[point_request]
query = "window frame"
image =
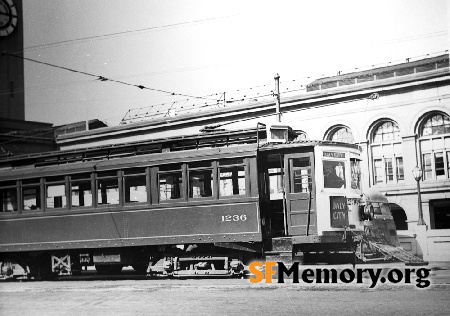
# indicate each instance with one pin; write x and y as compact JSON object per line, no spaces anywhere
{"x":146,"y":174}
{"x":433,"y":144}
{"x":384,"y":150}
{"x":182,"y":188}
{"x":429,"y":118}
{"x":15,"y":188}
{"x":92,"y":181}
{"x":246,"y":186}
{"x":65,"y":183}
{"x":341,"y":129}
{"x":40,"y":195}
{"x":119,"y":189}
{"x":355,"y":173}
{"x":326,"y":162}
{"x":213,"y":168}
{"x":430,"y":170}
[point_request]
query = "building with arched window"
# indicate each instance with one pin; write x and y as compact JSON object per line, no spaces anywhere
{"x":386,"y":153}
{"x":434,"y":134}
{"x":341,"y":133}
{"x":399,"y":115}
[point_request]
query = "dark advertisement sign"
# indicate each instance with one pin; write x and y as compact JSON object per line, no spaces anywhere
{"x":338,"y":211}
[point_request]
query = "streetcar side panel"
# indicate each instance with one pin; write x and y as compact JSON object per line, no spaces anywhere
{"x":192,"y":224}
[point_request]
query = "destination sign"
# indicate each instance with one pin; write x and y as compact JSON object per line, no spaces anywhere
{"x":333,"y":154}
{"x":338,"y":211}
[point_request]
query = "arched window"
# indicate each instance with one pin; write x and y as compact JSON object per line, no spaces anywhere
{"x":386,"y":132}
{"x":436,"y":125}
{"x":434,"y":145}
{"x":387,"y":153}
{"x":342,"y":134}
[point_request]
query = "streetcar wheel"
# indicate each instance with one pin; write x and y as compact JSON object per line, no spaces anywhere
{"x":41,"y":268}
{"x":140,"y":268}
{"x":106,"y":269}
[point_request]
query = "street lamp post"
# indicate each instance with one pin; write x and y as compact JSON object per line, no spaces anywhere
{"x":417,"y":173}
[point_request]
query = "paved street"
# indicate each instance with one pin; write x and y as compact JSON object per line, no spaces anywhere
{"x":136,"y":295}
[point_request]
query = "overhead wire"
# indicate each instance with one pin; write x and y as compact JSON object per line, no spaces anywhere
{"x":420,"y":36}
{"x":301,"y":88}
{"x":102,"y":78}
{"x":127,"y":32}
{"x":99,"y":77}
{"x":181,"y":24}
{"x":17,"y":138}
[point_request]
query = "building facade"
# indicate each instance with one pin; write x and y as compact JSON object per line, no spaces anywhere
{"x":399,"y":115}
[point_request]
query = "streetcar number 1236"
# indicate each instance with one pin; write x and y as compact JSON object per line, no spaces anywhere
{"x":234,"y":218}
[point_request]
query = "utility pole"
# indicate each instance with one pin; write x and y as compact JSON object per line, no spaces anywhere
{"x":277,"y":96}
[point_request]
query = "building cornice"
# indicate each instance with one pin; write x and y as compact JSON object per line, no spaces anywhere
{"x":262,"y":108}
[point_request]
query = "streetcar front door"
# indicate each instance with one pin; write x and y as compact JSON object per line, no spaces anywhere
{"x":300,"y":189}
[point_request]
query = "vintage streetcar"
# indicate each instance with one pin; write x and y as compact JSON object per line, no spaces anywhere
{"x":205,"y":204}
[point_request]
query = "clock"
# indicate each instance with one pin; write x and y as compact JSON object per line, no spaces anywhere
{"x":8,"y":17}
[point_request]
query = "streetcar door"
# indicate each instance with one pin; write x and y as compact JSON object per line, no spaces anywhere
{"x":300,"y":189}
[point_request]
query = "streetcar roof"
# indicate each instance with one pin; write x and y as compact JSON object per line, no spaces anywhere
{"x":211,"y":145}
{"x":306,"y":143}
{"x":155,"y":159}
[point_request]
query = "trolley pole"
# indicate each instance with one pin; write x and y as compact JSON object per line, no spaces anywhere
{"x":277,"y":96}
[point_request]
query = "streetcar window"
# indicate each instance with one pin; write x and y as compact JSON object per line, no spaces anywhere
{"x":333,"y":174}
{"x":275,"y":181}
{"x":200,"y":183}
{"x":81,"y":191}
{"x":31,"y":197}
{"x":170,"y":179}
{"x":276,"y":176}
{"x":200,"y":179}
{"x":301,"y":179}
{"x":232,"y":180}
{"x":56,"y":196}
{"x":302,"y":162}
{"x":135,"y":185}
{"x":8,"y":200}
{"x":170,"y":186}
{"x":55,"y":192}
{"x":356,"y":173}
{"x":107,"y":188}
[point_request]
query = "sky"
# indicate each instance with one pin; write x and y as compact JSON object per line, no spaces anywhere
{"x":184,"y":49}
